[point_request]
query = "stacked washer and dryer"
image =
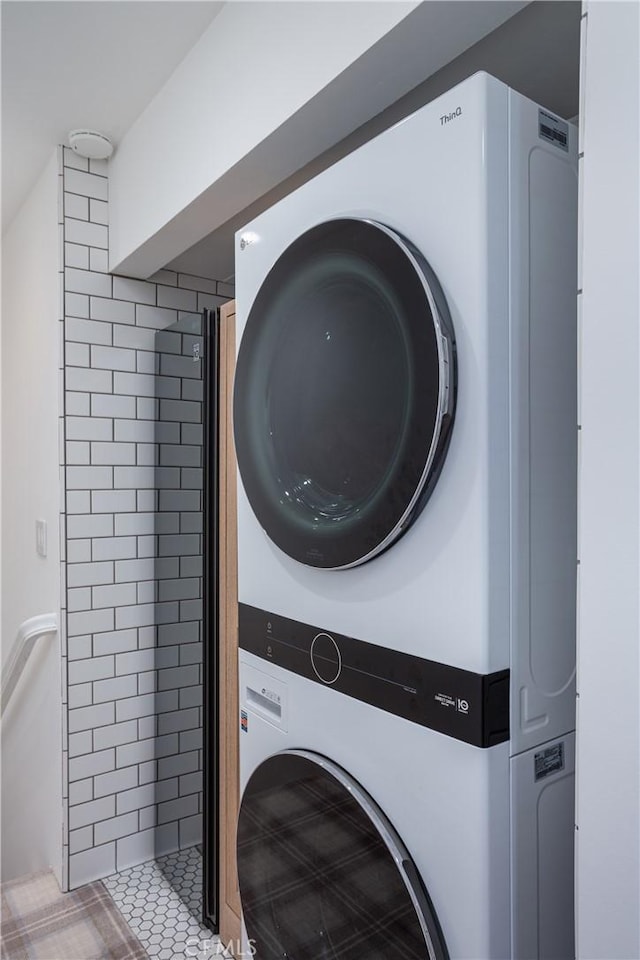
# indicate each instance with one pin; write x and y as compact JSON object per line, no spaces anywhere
{"x":405,"y":425}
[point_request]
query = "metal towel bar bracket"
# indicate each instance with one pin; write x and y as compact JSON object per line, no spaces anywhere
{"x":28,"y":634}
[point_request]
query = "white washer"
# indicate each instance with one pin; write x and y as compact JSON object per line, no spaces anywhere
{"x":405,"y":422}
{"x":483,"y":868}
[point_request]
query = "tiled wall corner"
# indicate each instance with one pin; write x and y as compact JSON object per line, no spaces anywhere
{"x":131,"y":451}
{"x":62,"y":624}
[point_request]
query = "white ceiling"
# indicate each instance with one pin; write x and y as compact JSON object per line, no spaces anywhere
{"x":79,"y":63}
{"x":537,"y":52}
{"x":98,"y":63}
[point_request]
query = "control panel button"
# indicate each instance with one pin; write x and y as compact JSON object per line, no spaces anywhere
{"x":325,"y":658}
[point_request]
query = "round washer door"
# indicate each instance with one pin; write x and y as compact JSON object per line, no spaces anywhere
{"x":322,"y":873}
{"x":344,"y":393}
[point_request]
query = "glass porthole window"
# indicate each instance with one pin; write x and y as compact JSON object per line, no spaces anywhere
{"x":323,"y":874}
{"x":344,"y":393}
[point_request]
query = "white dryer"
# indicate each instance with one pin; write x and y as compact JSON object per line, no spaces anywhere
{"x":405,"y":424}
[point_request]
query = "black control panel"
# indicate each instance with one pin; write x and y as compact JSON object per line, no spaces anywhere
{"x":472,"y":707}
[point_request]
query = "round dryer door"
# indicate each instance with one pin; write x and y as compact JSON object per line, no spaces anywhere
{"x":344,"y":393}
{"x":323,"y":875}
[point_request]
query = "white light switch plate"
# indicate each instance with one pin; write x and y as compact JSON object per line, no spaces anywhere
{"x":41,"y":538}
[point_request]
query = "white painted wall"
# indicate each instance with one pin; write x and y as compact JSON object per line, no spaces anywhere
{"x":31,"y":728}
{"x":608,"y":756}
{"x":254,"y":67}
{"x":269,"y":87}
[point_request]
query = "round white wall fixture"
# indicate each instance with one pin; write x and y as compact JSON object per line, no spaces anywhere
{"x":91,"y":144}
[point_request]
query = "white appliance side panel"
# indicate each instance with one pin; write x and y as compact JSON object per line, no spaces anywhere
{"x":543,"y":831}
{"x":442,"y":591}
{"x":448,"y":801}
{"x":544,"y":194}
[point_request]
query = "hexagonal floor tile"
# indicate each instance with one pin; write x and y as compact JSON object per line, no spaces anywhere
{"x":161,"y":901}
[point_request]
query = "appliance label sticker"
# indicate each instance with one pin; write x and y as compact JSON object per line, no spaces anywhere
{"x":549,"y":761}
{"x":244,"y":721}
{"x":553,"y":130}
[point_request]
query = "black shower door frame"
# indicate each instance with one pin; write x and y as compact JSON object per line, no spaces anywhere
{"x":211,"y":621}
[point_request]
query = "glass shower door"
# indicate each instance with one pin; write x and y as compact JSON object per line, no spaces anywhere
{"x":180,"y":547}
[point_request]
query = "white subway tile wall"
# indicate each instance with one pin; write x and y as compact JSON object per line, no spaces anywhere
{"x":132,"y":523}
